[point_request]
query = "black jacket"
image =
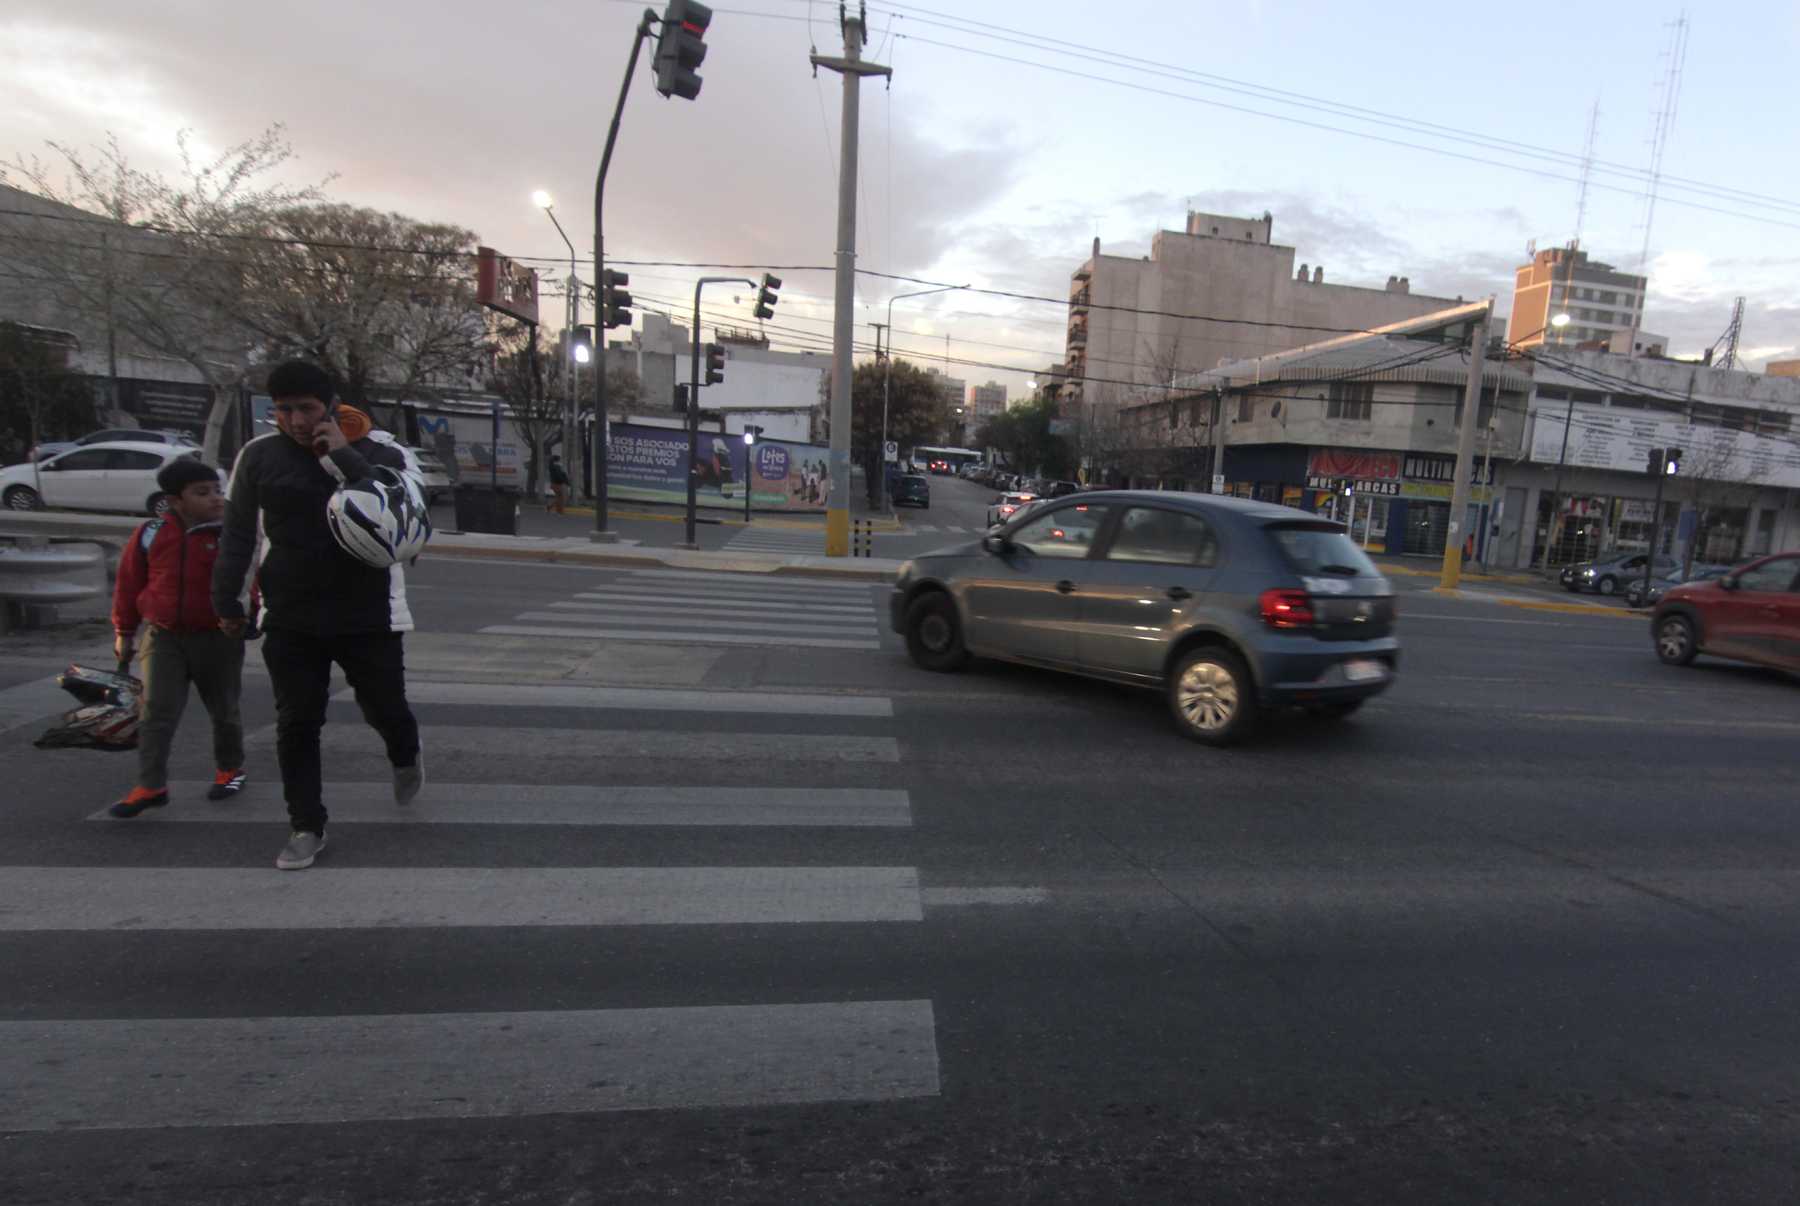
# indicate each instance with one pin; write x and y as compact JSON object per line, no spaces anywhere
{"x":308,"y":583}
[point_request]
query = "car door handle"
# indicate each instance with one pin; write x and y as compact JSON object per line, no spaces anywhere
{"x":1178,"y":593}
{"x":1065,"y":587}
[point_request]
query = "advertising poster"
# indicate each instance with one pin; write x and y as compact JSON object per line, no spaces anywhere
{"x":465,"y":445}
{"x":649,"y":464}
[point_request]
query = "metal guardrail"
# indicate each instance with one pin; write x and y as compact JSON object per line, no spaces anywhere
{"x":46,"y":576}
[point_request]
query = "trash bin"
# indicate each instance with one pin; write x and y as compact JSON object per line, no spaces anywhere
{"x":495,"y":512}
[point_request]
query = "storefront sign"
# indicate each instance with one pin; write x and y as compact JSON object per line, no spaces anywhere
{"x":1377,"y":489}
{"x":649,"y":463}
{"x":1353,"y":462}
{"x":1605,"y":437}
{"x":1441,"y":492}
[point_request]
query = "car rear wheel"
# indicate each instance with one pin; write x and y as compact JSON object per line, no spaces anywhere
{"x":933,"y":634}
{"x":1675,"y":643}
{"x":1212,"y":697}
{"x":23,"y":498}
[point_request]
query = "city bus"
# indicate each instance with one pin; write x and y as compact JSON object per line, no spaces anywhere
{"x":943,"y":460}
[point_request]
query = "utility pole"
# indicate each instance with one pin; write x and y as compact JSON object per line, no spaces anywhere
{"x":1465,"y":452}
{"x":852,"y":68}
{"x":886,"y":374}
{"x":1218,"y":459}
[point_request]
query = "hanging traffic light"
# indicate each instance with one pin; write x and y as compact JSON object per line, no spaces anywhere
{"x":715,"y":364}
{"x":615,"y":303}
{"x":681,"y":48}
{"x":765,"y":296}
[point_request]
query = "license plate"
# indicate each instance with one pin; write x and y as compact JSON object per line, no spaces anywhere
{"x":1363,"y":670}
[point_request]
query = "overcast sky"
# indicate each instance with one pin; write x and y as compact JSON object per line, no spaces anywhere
{"x":975,"y":169}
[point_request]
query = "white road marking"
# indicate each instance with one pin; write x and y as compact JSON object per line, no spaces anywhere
{"x":667,"y":637}
{"x":651,"y":699}
{"x":553,"y":804}
{"x":707,"y":624}
{"x":726,"y":578}
{"x":640,"y":608}
{"x":267,"y":1071}
{"x":953,"y":897}
{"x":486,"y":746}
{"x":39,"y":899}
{"x":799,"y":604}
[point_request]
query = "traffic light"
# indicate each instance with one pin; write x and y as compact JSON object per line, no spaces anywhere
{"x":715,"y":364}
{"x":1347,"y":487}
{"x":681,"y":48}
{"x":615,"y":303}
{"x":681,"y":399}
{"x":581,"y":345}
{"x":765,"y":297}
{"x":1655,"y":463}
{"x":1672,"y":464}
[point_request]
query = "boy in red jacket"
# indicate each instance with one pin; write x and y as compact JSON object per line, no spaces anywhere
{"x":165,"y":583}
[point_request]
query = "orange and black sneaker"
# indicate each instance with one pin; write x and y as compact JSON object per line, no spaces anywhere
{"x":138,"y":799}
{"x":226,"y":784}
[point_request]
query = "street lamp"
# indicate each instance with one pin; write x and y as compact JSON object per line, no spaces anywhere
{"x":887,"y":373}
{"x":571,"y":320}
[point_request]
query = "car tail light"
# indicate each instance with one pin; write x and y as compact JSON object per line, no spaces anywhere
{"x":1286,"y":609}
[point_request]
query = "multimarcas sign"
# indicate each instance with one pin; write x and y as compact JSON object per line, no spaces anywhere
{"x":648,"y":463}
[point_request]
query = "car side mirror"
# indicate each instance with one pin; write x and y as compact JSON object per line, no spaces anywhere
{"x":1728,"y":582}
{"x":996,"y":543}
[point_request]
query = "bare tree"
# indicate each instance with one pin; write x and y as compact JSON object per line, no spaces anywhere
{"x":1716,"y":478}
{"x":536,"y":412}
{"x":159,"y":262}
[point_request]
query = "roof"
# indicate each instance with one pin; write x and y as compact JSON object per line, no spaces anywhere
{"x":1398,"y":351}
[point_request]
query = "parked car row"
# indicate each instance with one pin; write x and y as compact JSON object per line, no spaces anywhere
{"x":1609,"y":573}
{"x":117,"y":475}
{"x":110,"y":435}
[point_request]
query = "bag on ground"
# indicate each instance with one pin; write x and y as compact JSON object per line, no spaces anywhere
{"x":108,"y":716}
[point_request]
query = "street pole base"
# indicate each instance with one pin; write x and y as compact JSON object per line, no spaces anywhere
{"x":605,"y":537}
{"x":692,"y":546}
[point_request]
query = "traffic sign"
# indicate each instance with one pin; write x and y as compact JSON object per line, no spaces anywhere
{"x":890,"y":452}
{"x":1218,"y":483}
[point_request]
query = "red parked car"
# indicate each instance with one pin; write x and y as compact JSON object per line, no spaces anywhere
{"x":1751,"y":614}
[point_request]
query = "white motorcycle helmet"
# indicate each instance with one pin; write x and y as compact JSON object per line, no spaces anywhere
{"x":382,"y":520}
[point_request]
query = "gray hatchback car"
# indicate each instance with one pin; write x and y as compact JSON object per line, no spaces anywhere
{"x":1229,"y":606}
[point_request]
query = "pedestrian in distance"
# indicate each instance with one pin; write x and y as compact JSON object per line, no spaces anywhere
{"x":320,"y":604}
{"x":559,"y":486}
{"x":164,"y":588}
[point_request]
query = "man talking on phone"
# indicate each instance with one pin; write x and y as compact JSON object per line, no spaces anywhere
{"x":319,"y":604}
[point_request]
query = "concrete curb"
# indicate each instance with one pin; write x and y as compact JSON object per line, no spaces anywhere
{"x":1571,"y":609}
{"x":1408,"y":571}
{"x":572,"y":551}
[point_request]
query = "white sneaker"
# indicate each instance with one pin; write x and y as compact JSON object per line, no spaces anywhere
{"x":301,"y":849}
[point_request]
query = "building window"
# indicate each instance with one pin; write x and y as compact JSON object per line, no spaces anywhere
{"x":1775,"y":422}
{"x":1607,"y":298}
{"x":1246,"y":408}
{"x":1353,"y":400}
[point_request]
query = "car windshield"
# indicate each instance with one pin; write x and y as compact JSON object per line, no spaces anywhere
{"x":1315,"y":549}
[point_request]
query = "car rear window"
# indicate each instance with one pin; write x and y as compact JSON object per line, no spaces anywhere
{"x":1317,"y":549}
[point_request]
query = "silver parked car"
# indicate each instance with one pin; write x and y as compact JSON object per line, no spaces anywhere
{"x":1609,"y":574}
{"x":1229,"y":606}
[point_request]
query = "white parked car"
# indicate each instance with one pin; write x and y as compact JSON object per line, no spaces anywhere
{"x":112,"y":435}
{"x":118,"y":476}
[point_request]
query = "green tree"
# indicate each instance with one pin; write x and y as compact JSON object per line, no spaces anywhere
{"x":40,"y":399}
{"x":915,"y":411}
{"x":1022,"y":434}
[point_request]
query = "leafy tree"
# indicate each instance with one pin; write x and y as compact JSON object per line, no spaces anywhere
{"x":915,"y":410}
{"x":1022,"y":434}
{"x":40,"y":399}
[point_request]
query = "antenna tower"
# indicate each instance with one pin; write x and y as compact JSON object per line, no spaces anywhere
{"x":1587,"y":169}
{"x":1663,"y":124}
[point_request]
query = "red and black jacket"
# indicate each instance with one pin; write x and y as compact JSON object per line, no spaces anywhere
{"x":165,"y":577}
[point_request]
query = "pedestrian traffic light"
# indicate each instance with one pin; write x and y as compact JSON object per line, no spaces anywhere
{"x":681,"y":399}
{"x":1655,"y":463}
{"x":681,"y":48}
{"x":615,"y":303}
{"x":765,"y":297}
{"x":581,"y":345}
{"x":1672,"y":462}
{"x":715,"y":364}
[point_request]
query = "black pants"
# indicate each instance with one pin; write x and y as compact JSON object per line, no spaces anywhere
{"x":300,"y":668}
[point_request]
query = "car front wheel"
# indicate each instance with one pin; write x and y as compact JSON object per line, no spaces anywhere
{"x":1675,"y":643}
{"x":1212,"y":697}
{"x":933,"y":633}
{"x":1607,"y":585}
{"x":23,"y":498}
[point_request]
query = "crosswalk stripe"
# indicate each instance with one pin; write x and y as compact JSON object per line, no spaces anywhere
{"x":157,"y":1072}
{"x":558,"y":804}
{"x":30,"y":702}
{"x":650,"y":699}
{"x":672,"y":637}
{"x":813,"y":585}
{"x":707,"y":624}
{"x":39,"y":899}
{"x":797,"y":603}
{"x":640,"y":611}
{"x":479,"y":746}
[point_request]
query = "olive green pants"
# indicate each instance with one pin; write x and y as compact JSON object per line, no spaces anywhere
{"x":214,"y":664}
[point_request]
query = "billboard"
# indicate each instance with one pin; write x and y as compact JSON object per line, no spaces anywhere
{"x":502,"y":285}
{"x":649,"y":464}
{"x":1606,"y":437}
{"x":465,"y":444}
{"x":754,"y":385}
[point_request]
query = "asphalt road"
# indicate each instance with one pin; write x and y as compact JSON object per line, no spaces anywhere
{"x":715,"y":898}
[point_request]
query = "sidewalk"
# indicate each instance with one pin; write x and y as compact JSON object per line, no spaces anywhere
{"x":574,"y":550}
